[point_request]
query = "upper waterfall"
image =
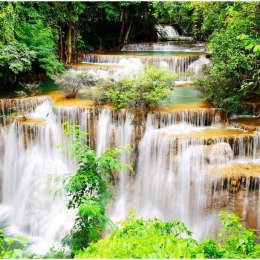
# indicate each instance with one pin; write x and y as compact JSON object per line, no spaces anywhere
{"x":166,"y":31}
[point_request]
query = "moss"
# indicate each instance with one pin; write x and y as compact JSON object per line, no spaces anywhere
{"x":25,"y":120}
{"x":237,"y":171}
{"x":250,"y":124}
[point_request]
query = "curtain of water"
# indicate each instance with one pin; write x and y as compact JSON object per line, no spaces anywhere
{"x":173,"y":178}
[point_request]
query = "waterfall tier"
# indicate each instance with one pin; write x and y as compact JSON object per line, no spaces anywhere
{"x":182,"y":155}
{"x":166,"y":31}
{"x":30,"y":160}
{"x":165,"y":46}
{"x":177,"y":64}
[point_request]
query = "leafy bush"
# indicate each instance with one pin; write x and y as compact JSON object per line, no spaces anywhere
{"x":72,"y":81}
{"x":138,"y":238}
{"x":144,"y":91}
{"x":95,"y":94}
{"x":235,"y":48}
{"x":13,"y":247}
{"x":39,"y":38}
{"x":14,"y":59}
{"x":233,"y":241}
{"x":32,"y":88}
{"x":89,"y":190}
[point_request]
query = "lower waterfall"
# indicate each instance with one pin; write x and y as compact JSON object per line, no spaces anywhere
{"x":179,"y":161}
{"x":31,"y":159}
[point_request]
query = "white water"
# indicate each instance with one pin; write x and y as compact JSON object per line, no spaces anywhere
{"x":31,"y":158}
{"x":164,"y":47}
{"x":174,"y":176}
{"x":196,"y":67}
{"x":134,"y":63}
{"x":166,"y":31}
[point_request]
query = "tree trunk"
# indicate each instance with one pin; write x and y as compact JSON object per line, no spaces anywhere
{"x":122,"y":19}
{"x":69,"y":49}
{"x":128,"y":32}
{"x":61,"y":45}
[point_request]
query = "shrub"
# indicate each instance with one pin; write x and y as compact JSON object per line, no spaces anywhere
{"x":144,"y":91}
{"x":89,"y":190}
{"x":235,"y":47}
{"x":72,"y":81}
{"x":13,"y":247}
{"x":32,"y":88}
{"x":95,"y":94}
{"x":138,"y":238}
{"x":15,"y":58}
{"x":154,"y":238}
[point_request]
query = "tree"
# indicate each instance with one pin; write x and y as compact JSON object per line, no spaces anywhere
{"x":144,"y":91}
{"x":28,"y":41}
{"x":235,"y":48}
{"x":89,"y":190}
{"x":15,"y":58}
{"x":71,"y":82}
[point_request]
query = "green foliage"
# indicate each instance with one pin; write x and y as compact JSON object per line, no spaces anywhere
{"x":234,"y":238}
{"x":234,"y":241}
{"x":71,"y":82}
{"x":15,"y":58}
{"x":54,"y":253}
{"x":33,"y":88}
{"x":89,"y":190}
{"x":235,"y":73}
{"x":138,"y":238}
{"x":13,"y":247}
{"x":144,"y":91}
{"x":39,"y":38}
{"x":27,"y":43}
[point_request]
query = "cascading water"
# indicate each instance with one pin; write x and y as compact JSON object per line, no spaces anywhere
{"x":164,"y":47}
{"x":178,"y":64}
{"x":174,"y":176}
{"x":31,"y":158}
{"x":183,"y":155}
{"x":196,"y":67}
{"x":166,"y":31}
{"x":175,"y":168}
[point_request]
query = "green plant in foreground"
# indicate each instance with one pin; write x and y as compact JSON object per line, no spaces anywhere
{"x":13,"y":247}
{"x":154,"y":238}
{"x":90,"y":189}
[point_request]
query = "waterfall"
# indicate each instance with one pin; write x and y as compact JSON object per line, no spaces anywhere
{"x":9,"y":108}
{"x":174,"y":174}
{"x":164,"y":46}
{"x":166,"y":31}
{"x":31,"y":158}
{"x":182,"y":164}
{"x":196,"y":67}
{"x":178,"y":64}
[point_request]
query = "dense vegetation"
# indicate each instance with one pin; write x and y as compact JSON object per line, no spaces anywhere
{"x":144,"y":91}
{"x":137,"y":238}
{"x":37,"y":38}
{"x":235,"y":46}
{"x":89,"y":190}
